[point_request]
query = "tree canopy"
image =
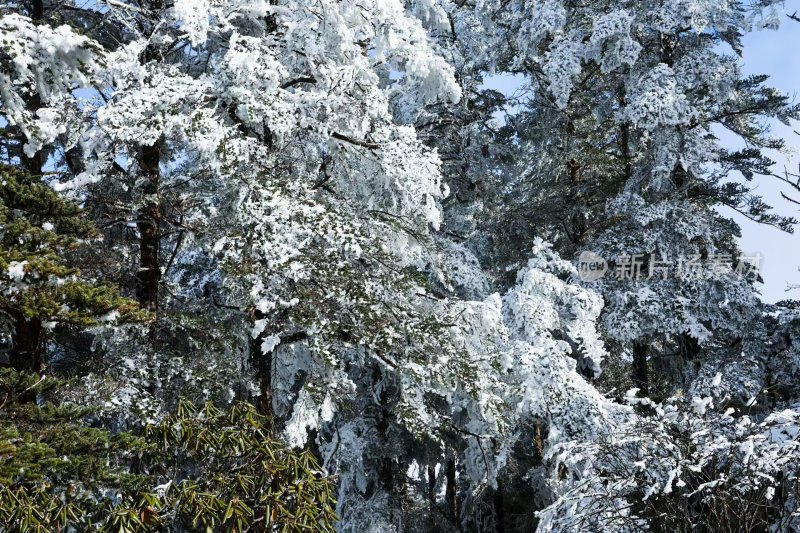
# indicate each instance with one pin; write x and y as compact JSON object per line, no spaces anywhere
{"x":284,"y":265}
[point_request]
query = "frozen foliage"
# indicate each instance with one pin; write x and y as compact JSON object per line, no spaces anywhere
{"x":322,"y":210}
{"x":679,"y":456}
{"x":45,"y":64}
{"x":656,"y":102}
{"x":677,"y":290}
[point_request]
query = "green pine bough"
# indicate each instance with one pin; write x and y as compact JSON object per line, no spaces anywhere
{"x":41,"y":284}
{"x":198,"y":469}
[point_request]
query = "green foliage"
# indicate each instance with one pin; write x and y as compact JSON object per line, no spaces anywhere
{"x":248,"y":477}
{"x":197,"y":469}
{"x":39,"y":231}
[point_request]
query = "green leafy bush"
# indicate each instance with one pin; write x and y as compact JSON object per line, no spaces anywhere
{"x":198,"y":469}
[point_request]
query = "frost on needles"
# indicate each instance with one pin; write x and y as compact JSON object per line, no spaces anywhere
{"x":293,"y":265}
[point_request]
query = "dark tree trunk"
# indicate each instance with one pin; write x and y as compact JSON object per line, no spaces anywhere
{"x":689,"y":347}
{"x":149,"y":224}
{"x":576,"y":200}
{"x":499,"y":511}
{"x":386,"y":466}
{"x":264,"y":375}
{"x":667,"y":49}
{"x":451,"y":492}
{"x":625,"y":139}
{"x":36,"y":10}
{"x":624,"y":144}
{"x":432,"y":486}
{"x":433,"y":514}
{"x":27,"y":350}
{"x":262,"y":363}
{"x":639,"y":372}
{"x":33,"y":164}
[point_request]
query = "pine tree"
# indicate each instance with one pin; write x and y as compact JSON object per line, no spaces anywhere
{"x":43,"y":287}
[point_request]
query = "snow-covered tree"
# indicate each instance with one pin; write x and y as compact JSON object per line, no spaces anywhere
{"x":327,"y":214}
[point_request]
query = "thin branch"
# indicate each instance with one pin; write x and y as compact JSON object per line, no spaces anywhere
{"x":356,"y":142}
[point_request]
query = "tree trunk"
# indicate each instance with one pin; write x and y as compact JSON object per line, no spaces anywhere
{"x":262,"y":363}
{"x":27,"y":351}
{"x":432,"y":486}
{"x":499,"y":509}
{"x":639,"y":372}
{"x":689,"y":347}
{"x":36,"y":10}
{"x":386,"y":466}
{"x":28,"y":341}
{"x":149,"y":225}
{"x":34,"y":163}
{"x":451,"y":493}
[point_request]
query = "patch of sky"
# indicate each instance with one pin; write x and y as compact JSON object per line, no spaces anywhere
{"x":516,"y":90}
{"x":775,"y":53}
{"x":772,"y":52}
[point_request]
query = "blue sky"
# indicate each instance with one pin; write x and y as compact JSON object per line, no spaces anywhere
{"x":776,"y":53}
